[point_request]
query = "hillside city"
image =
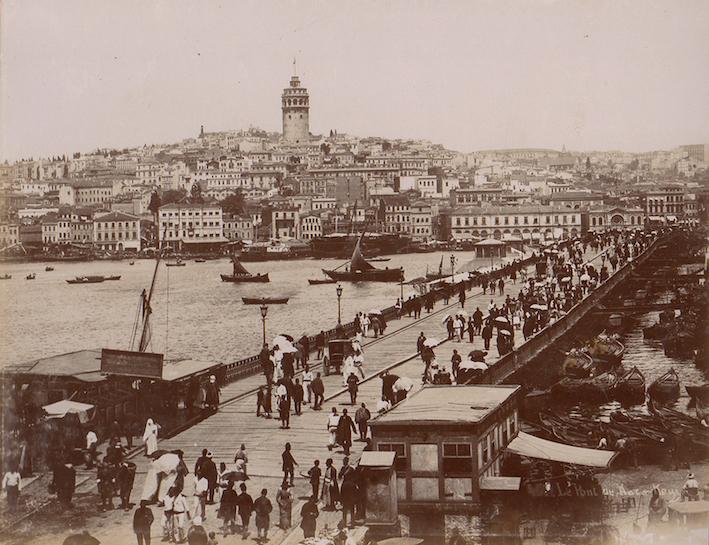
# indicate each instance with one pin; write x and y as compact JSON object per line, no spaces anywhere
{"x":280,"y":191}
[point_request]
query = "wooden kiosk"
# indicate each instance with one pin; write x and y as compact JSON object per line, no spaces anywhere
{"x":382,"y":512}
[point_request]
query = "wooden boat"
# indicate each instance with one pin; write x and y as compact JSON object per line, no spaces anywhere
{"x":316,"y":281}
{"x":177,"y":263}
{"x":131,"y":262}
{"x":86,"y":280}
{"x":699,"y":393}
{"x":31,"y":276}
{"x":48,"y":268}
{"x":577,"y":364}
{"x":631,"y":386}
{"x":265,"y":300}
{"x":436,"y":275}
{"x":200,"y":260}
{"x":601,"y":386}
{"x":655,"y":332}
{"x":680,"y":345}
{"x":361,"y":271}
{"x":5,"y":276}
{"x":666,"y":386}
{"x":240,"y":274}
{"x":113,"y":277}
{"x":379,"y":259}
{"x":606,"y":349}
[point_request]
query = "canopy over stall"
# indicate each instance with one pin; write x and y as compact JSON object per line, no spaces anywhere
{"x":535,"y":447}
{"x":61,"y":408}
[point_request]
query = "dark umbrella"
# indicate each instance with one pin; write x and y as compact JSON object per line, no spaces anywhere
{"x":291,"y":339}
{"x":477,"y":355}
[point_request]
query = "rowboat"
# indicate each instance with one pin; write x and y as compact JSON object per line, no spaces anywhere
{"x":200,"y":260}
{"x":606,"y":349}
{"x":240,"y":274}
{"x":48,"y":268}
{"x":317,"y":281}
{"x":655,"y":332}
{"x":113,"y":277}
{"x":666,"y":386}
{"x":577,"y":364}
{"x":699,"y":393}
{"x":631,"y":386}
{"x":680,"y":345}
{"x":5,"y":276}
{"x":86,"y":280}
{"x":178,"y":263}
{"x":31,"y":276}
{"x":265,"y":300}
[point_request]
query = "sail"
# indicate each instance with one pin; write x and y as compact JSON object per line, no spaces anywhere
{"x":357,"y":263}
{"x":440,"y":266}
{"x":238,"y":267}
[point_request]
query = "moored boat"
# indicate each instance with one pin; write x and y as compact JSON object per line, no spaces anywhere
{"x":699,"y":393}
{"x":606,"y":349}
{"x":5,"y":276}
{"x":240,"y":274}
{"x":436,"y":275}
{"x":655,"y":332}
{"x":577,"y":364}
{"x":316,"y":281}
{"x":131,"y":262}
{"x":265,"y":300}
{"x":177,"y":263}
{"x":86,"y":280}
{"x":200,"y":260}
{"x":113,"y":277}
{"x":361,"y":271}
{"x":31,"y":276}
{"x":631,"y":386}
{"x":680,"y":345}
{"x":666,"y":386}
{"x":48,"y":268}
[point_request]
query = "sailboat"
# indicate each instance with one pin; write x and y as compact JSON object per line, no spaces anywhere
{"x":240,"y":274}
{"x":436,"y":275}
{"x":361,"y":271}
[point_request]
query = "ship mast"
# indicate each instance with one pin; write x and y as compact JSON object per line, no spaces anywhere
{"x":145,"y":304}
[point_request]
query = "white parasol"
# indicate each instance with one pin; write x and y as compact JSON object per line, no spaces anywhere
{"x":403,"y":384}
{"x":502,"y":320}
{"x":446,"y":318}
{"x":473,"y":365}
{"x":504,"y":332}
{"x":375,"y":311}
{"x":431,"y":342}
{"x":566,"y":279}
{"x":537,"y":306}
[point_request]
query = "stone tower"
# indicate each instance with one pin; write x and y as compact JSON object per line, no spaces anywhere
{"x":296,"y":113}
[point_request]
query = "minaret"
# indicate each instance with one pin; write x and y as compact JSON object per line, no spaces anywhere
{"x":296,"y":112}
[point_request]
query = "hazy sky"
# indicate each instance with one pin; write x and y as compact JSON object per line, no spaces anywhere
{"x":468,"y":74}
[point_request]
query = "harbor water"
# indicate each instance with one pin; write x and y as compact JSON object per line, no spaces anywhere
{"x":195,"y":314}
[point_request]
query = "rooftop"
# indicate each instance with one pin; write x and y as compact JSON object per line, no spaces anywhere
{"x":447,"y":404}
{"x":116,"y":216}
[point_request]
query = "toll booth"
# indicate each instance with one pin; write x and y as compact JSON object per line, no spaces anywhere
{"x":382,"y":509}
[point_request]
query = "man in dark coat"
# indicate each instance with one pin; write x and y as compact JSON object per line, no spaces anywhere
{"x":314,"y":474}
{"x":266,"y":364}
{"x":388,"y":381}
{"x":227,"y":508}
{"x":362,"y":417}
{"x":349,"y":494}
{"x":297,"y":394}
{"x":345,"y":427}
{"x":263,"y":508}
{"x":478,"y":320}
{"x":320,"y":343}
{"x":487,"y":334}
{"x":309,"y":514}
{"x":65,"y":483}
{"x":304,"y":343}
{"x":142,"y":520}
{"x":212,"y":395}
{"x":200,"y":461}
{"x":124,"y":479}
{"x":289,"y":464}
{"x":246,"y":505}
{"x":209,"y":471}
{"x":318,"y":389}
{"x":461,"y":296}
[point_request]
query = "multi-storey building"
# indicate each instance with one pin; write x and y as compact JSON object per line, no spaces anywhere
{"x":397,"y":213}
{"x":117,"y":231}
{"x":285,"y":223}
{"x":311,"y":226}
{"x":525,"y":222}
{"x":665,"y":203}
{"x":181,"y":224}
{"x":56,"y":228}
{"x":605,"y":218}
{"x":421,"y":221}
{"x":238,"y":227}
{"x":9,"y":234}
{"x":86,"y":192}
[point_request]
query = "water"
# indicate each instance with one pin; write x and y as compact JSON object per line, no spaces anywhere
{"x":195,"y":314}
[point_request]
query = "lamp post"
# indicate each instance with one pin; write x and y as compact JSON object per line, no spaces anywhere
{"x":264,"y":312}
{"x":452,"y":268}
{"x":338,"y":290}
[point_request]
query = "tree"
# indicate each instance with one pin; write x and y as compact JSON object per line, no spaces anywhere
{"x":196,"y":194}
{"x":325,"y":148}
{"x":155,"y":202}
{"x":386,"y":146}
{"x":233,"y":204}
{"x":170,"y":196}
{"x":588,"y":163}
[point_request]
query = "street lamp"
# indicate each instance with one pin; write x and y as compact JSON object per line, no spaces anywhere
{"x":338,"y":290}
{"x":452,"y":267}
{"x":264,"y":311}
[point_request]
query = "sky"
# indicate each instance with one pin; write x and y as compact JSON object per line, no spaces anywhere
{"x":589,"y":75}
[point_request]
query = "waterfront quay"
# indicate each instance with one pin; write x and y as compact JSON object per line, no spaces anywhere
{"x":236,"y":423}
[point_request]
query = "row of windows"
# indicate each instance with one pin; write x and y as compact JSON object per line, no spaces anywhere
{"x":506,"y":220}
{"x":172,"y":234}
{"x":189,"y":213}
{"x":102,"y":236}
{"x":104,"y":225}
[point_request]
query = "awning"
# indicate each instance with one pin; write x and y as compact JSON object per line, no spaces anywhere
{"x":377,"y":459}
{"x":61,"y":408}
{"x":500,"y":483}
{"x":671,"y":218}
{"x":534,"y":447}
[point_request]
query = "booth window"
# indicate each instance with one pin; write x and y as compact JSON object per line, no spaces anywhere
{"x":400,"y":461}
{"x":457,"y":458}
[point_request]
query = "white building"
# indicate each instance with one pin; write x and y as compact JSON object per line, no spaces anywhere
{"x":421,"y":221}
{"x":117,"y":231}
{"x":181,"y":224}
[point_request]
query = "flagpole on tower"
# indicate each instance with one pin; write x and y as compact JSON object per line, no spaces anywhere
{"x":294,"y":70}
